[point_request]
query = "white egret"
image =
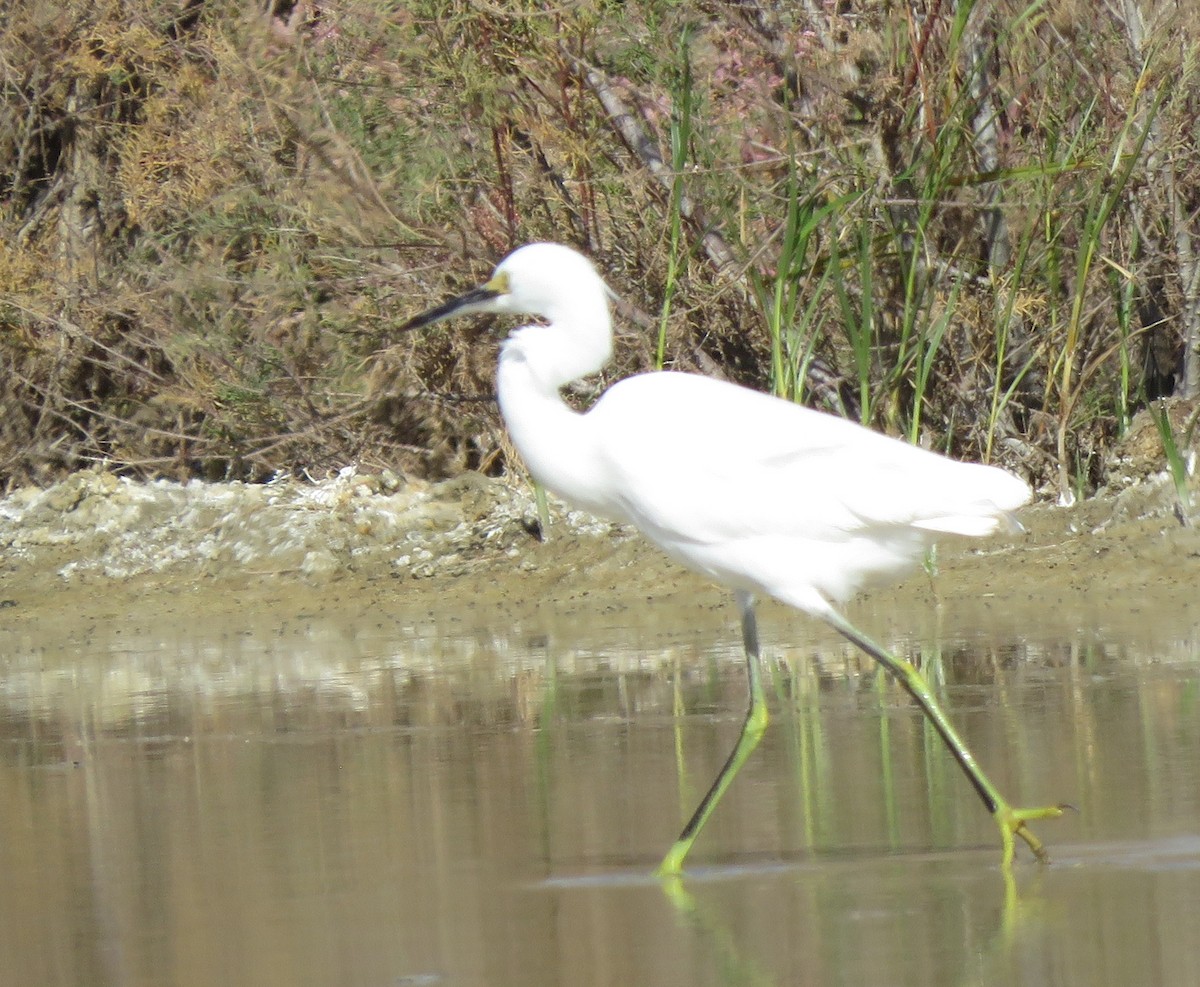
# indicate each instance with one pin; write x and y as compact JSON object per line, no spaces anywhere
{"x":757,"y":493}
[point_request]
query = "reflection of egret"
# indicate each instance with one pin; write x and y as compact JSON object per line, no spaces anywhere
{"x":757,"y":493}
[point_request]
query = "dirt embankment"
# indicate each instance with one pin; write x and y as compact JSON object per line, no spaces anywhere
{"x":97,"y":548}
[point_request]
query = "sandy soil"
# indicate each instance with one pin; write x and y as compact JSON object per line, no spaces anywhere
{"x":76,"y":555}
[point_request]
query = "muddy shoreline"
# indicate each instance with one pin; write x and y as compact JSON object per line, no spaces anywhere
{"x":77,"y":556}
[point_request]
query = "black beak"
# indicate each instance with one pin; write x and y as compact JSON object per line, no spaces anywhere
{"x":473,"y":298}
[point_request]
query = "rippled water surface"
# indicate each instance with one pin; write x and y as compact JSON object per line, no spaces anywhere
{"x":443,"y":800}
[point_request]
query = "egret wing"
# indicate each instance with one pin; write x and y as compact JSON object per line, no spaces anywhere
{"x":701,"y":460}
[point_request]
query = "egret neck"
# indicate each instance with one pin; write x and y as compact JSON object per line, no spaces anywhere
{"x":553,"y":439}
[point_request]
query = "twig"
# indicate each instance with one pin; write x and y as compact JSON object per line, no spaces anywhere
{"x":645,"y":149}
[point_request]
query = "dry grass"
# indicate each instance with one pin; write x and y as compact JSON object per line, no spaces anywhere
{"x":213,"y":214}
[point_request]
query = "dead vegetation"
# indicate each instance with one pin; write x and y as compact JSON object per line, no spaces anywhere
{"x":971,"y":223}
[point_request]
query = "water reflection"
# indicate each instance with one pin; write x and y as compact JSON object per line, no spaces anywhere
{"x":435,"y":800}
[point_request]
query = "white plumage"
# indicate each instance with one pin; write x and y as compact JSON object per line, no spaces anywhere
{"x":757,"y":493}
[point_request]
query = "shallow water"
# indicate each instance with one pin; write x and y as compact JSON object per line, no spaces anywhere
{"x":448,"y":799}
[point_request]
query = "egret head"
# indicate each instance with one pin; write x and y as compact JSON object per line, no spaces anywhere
{"x":538,"y":279}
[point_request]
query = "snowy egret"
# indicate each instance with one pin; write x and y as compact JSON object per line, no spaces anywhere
{"x":757,"y":493}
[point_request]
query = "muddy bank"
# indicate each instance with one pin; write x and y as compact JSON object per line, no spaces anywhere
{"x":353,"y":548}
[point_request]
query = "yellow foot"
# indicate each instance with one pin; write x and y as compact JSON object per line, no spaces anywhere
{"x":672,"y":863}
{"x":1014,"y":822}
{"x":677,"y":894}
